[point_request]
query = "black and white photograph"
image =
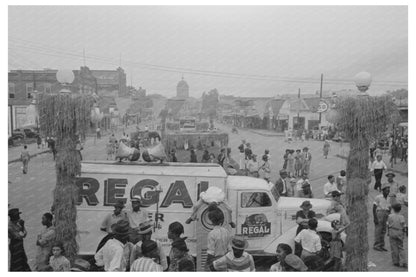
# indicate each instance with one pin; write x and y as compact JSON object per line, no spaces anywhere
{"x":207,"y":137}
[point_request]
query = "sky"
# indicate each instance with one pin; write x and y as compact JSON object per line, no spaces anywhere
{"x":240,"y":50}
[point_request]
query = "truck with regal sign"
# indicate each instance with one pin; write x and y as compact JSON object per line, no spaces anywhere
{"x":169,"y":193}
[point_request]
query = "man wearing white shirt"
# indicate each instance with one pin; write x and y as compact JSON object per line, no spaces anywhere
{"x":377,"y":168}
{"x":309,"y":239}
{"x":111,"y":255}
{"x":136,"y":216}
{"x":330,"y":186}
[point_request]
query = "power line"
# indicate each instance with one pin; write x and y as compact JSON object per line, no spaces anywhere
{"x":41,"y":50}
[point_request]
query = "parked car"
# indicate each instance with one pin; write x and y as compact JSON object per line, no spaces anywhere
{"x":25,"y":132}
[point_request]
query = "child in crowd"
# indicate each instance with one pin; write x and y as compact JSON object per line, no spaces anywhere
{"x":58,"y":262}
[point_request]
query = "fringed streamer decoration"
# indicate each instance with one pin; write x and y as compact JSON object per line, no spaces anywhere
{"x":65,"y":116}
{"x":362,"y":119}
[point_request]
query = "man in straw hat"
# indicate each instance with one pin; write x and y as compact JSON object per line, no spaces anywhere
{"x":114,"y":217}
{"x":381,"y":211}
{"x":147,"y":262}
{"x":111,"y":255}
{"x":293,"y":263}
{"x":145,"y":231}
{"x":394,"y":187}
{"x":237,"y":259}
{"x":136,"y":216}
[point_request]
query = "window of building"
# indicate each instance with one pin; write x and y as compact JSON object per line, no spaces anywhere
{"x":255,"y":199}
{"x":11,"y":90}
{"x":29,"y":90}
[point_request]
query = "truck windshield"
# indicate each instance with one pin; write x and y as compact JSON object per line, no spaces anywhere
{"x":275,"y":193}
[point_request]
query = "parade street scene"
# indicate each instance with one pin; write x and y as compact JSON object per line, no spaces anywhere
{"x":208,"y":138}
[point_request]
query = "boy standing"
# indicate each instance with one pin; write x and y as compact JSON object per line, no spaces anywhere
{"x":396,"y":225}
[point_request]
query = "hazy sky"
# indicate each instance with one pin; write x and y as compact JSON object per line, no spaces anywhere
{"x":230,"y":47}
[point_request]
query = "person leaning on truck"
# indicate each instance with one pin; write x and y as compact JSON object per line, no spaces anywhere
{"x":281,"y":184}
{"x":310,"y":240}
{"x":218,"y":240}
{"x":135,"y":217}
{"x":117,"y":215}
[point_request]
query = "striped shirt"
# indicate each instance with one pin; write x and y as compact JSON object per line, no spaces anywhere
{"x":145,"y":264}
{"x":218,"y":241}
{"x":231,"y":263}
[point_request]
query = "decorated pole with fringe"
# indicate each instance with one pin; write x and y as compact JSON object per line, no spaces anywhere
{"x":66,"y":117}
{"x":362,"y":119}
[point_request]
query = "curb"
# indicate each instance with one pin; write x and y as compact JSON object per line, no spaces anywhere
{"x":31,"y":156}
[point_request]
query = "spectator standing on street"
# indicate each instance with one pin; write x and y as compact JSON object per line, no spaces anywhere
{"x":394,"y":151}
{"x":111,"y":255}
{"x":52,"y":146}
{"x":44,"y":242}
{"x":114,"y":217}
{"x":326,"y":148}
{"x":336,"y":245}
{"x":302,"y":219}
{"x":247,"y":154}
{"x":43,"y":142}
{"x":78,"y":148}
{"x":175,"y":230}
{"x":212,"y":158}
{"x":401,"y":198}
{"x":291,"y":163}
{"x":281,"y":183}
{"x":38,"y":141}
{"x":404,"y":150}
{"x":135,"y":217}
{"x":241,"y":149}
{"x":381,"y":211}
{"x":306,"y":162}
{"x":205,"y":157}
{"x":237,"y":259}
{"x":253,"y":166}
{"x":337,"y":207}
{"x":145,"y":230}
{"x":330,"y":186}
{"x":396,"y":231}
{"x":309,"y":239}
{"x":221,"y":157}
{"x":58,"y":262}
{"x":147,"y":263}
{"x":17,"y":232}
{"x":218,"y":239}
{"x":306,"y":190}
{"x":25,"y":157}
{"x":282,"y":251}
{"x":285,"y":158}
{"x":377,"y":168}
{"x":98,"y":131}
{"x":173,"y":158}
{"x":298,"y":163}
{"x":394,"y":187}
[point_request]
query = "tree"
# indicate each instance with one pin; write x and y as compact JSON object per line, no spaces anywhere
{"x":210,"y":103}
{"x":65,"y":116}
{"x":362,"y":119}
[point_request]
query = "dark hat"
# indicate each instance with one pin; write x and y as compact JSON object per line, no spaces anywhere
{"x":248,"y":144}
{"x":282,"y":171}
{"x":14,"y":211}
{"x":390,"y":174}
{"x":295,"y":262}
{"x":180,"y":244}
{"x":306,"y":204}
{"x":335,"y":193}
{"x":305,"y":148}
{"x":122,"y":227}
{"x":239,"y":242}
{"x":148,"y":246}
{"x":119,"y":204}
{"x":305,"y":184}
{"x":145,"y":227}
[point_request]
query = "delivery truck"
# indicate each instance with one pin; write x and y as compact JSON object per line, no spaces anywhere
{"x":169,"y":193}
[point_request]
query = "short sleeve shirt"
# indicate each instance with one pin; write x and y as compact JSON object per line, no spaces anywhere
{"x":396,"y":223}
{"x":135,"y":218}
{"x":111,"y":219}
{"x":218,"y":241}
{"x":230,"y":263}
{"x":382,"y":203}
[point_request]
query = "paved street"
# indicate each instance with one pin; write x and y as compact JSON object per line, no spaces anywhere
{"x":32,"y":193}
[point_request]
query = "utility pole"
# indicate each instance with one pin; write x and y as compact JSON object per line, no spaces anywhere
{"x":320,"y":98}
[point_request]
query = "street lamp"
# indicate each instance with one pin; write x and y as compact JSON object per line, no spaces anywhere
{"x":65,"y":77}
{"x":363,"y":81}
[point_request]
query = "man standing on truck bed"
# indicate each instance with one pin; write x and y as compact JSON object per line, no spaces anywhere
{"x":117,"y":215}
{"x":135,"y":217}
